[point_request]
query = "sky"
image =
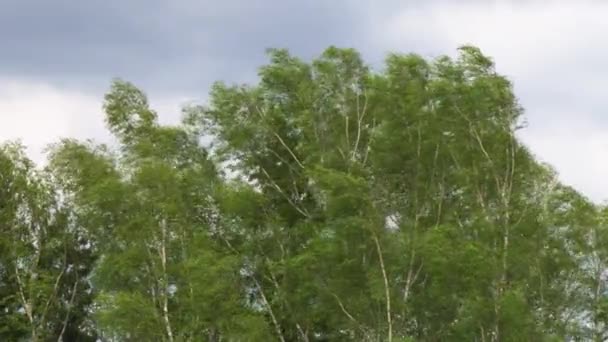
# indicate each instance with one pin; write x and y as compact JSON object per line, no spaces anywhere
{"x":57,"y":58}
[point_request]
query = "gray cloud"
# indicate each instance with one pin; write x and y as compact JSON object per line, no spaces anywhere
{"x":175,"y":49}
{"x":166,"y":46}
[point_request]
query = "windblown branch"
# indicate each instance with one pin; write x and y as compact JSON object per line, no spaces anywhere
{"x":278,"y":188}
{"x":277,"y":327}
{"x":263,"y":115}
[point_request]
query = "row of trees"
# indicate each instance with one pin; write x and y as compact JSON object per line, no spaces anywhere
{"x":335,"y":204}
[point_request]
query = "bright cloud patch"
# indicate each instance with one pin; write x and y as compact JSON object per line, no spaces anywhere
{"x":39,"y":114}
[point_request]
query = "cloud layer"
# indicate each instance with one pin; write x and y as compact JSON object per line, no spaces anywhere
{"x":57,"y":59}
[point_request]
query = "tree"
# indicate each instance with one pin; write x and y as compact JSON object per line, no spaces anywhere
{"x":336,"y":203}
{"x":44,"y":259}
{"x":160,"y":275}
{"x":397,"y":203}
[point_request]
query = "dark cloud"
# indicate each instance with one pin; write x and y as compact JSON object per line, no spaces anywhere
{"x":166,"y":46}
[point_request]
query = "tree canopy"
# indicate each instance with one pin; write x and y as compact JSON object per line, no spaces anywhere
{"x":335,"y":203}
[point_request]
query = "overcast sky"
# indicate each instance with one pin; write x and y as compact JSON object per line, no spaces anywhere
{"x":57,"y":59}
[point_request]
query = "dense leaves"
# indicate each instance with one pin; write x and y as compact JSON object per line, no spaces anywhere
{"x":336,"y":203}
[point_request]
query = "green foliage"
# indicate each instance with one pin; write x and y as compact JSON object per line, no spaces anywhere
{"x":43,"y":261}
{"x":360,"y":205}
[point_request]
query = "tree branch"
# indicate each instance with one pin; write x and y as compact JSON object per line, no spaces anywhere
{"x":386,"y":288}
{"x":277,"y":327}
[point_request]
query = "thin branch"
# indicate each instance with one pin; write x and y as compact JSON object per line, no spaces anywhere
{"x":281,"y":158}
{"x":277,"y":327}
{"x":411,"y":277}
{"x":360,"y":116}
{"x":386,"y":288}
{"x":262,"y":115}
{"x":26,"y":304}
{"x":344,"y":309}
{"x":165,"y":304}
{"x":70,"y":304}
{"x":55,"y":287}
{"x":302,"y":333}
{"x":346,"y":129}
{"x":369,"y":142}
{"x":52,"y":296}
{"x":276,"y":186}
